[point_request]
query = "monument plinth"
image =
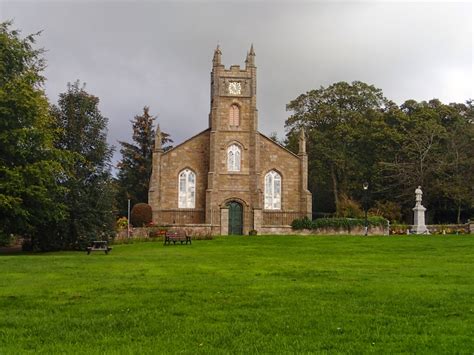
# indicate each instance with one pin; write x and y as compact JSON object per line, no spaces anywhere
{"x":419,"y":210}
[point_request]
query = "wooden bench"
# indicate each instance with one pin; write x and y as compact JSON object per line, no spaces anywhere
{"x":177,"y":236}
{"x":99,"y":245}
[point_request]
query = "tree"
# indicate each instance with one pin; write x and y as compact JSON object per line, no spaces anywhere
{"x":416,"y":149}
{"x":89,"y":200}
{"x":136,"y":164}
{"x":355,"y":134}
{"x":30,"y":166}
{"x":455,"y":178}
{"x":345,"y":125}
{"x":274,"y":137}
{"x":433,"y":148}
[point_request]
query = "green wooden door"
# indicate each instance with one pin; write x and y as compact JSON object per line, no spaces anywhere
{"x":235,"y":218}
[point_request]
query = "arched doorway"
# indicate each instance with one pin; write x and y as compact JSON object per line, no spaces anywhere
{"x":235,"y":218}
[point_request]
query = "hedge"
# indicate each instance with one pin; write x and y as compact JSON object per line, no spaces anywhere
{"x":337,"y":223}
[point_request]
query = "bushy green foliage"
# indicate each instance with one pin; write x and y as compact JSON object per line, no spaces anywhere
{"x":349,"y":208}
{"x":121,"y":224}
{"x":387,"y":209}
{"x":141,"y":215}
{"x":31,"y":168}
{"x":302,"y":223}
{"x":89,"y":198}
{"x":5,"y":240}
{"x":337,"y":223}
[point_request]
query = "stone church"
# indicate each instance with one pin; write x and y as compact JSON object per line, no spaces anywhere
{"x":230,"y":178}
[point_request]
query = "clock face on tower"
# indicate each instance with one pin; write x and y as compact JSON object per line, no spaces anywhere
{"x":234,"y":88}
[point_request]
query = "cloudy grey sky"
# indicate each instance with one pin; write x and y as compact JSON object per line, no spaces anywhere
{"x":133,"y":54}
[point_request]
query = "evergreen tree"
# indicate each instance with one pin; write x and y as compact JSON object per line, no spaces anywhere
{"x":30,"y":166}
{"x":136,"y":164}
{"x":83,"y":131}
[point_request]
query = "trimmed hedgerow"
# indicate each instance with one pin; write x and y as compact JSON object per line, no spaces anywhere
{"x":337,"y":223}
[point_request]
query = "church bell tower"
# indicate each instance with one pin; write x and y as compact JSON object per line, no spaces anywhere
{"x":233,"y":120}
{"x":233,"y":86}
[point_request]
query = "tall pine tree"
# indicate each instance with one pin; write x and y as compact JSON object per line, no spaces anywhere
{"x":136,"y":164}
{"x":83,"y":131}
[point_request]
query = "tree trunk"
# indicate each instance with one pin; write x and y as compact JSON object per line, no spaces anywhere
{"x":459,"y":213}
{"x":334,"y":188}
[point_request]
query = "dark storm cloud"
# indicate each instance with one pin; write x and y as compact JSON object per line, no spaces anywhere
{"x":132,"y":54}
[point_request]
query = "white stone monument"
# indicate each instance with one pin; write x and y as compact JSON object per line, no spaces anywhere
{"x":419,"y":226}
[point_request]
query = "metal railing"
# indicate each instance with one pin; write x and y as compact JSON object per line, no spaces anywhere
{"x":198,"y":216}
{"x":280,"y":218}
{"x":181,"y":216}
{"x":213,"y":216}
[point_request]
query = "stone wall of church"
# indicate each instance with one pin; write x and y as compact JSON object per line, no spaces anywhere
{"x":274,"y":157}
{"x":232,"y":184}
{"x":192,"y":154}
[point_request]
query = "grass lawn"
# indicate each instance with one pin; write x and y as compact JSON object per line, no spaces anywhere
{"x":244,"y":295}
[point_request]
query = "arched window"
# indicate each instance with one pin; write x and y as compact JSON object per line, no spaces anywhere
{"x":233,"y":158}
{"x":273,"y":191}
{"x":187,"y":189}
{"x":234,"y":115}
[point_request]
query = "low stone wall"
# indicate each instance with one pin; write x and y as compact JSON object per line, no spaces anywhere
{"x":206,"y":231}
{"x":197,"y":231}
{"x":282,"y":230}
{"x":451,"y":228}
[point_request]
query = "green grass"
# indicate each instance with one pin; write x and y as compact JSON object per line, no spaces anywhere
{"x":244,"y":295}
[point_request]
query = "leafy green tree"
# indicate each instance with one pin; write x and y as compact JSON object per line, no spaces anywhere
{"x":455,"y":177}
{"x":134,"y":169}
{"x":433,"y":148}
{"x":345,"y":127}
{"x":89,"y":200}
{"x":416,"y":149}
{"x":30,"y":166}
{"x":355,"y":134}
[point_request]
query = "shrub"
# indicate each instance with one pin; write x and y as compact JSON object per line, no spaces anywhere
{"x":5,"y":240}
{"x":349,"y":208}
{"x":253,"y":232}
{"x":141,"y":215}
{"x":399,"y":229}
{"x":121,"y":224}
{"x":302,"y":223}
{"x":337,"y":223}
{"x":390,"y":210}
{"x":27,"y":245}
{"x":157,"y":232}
